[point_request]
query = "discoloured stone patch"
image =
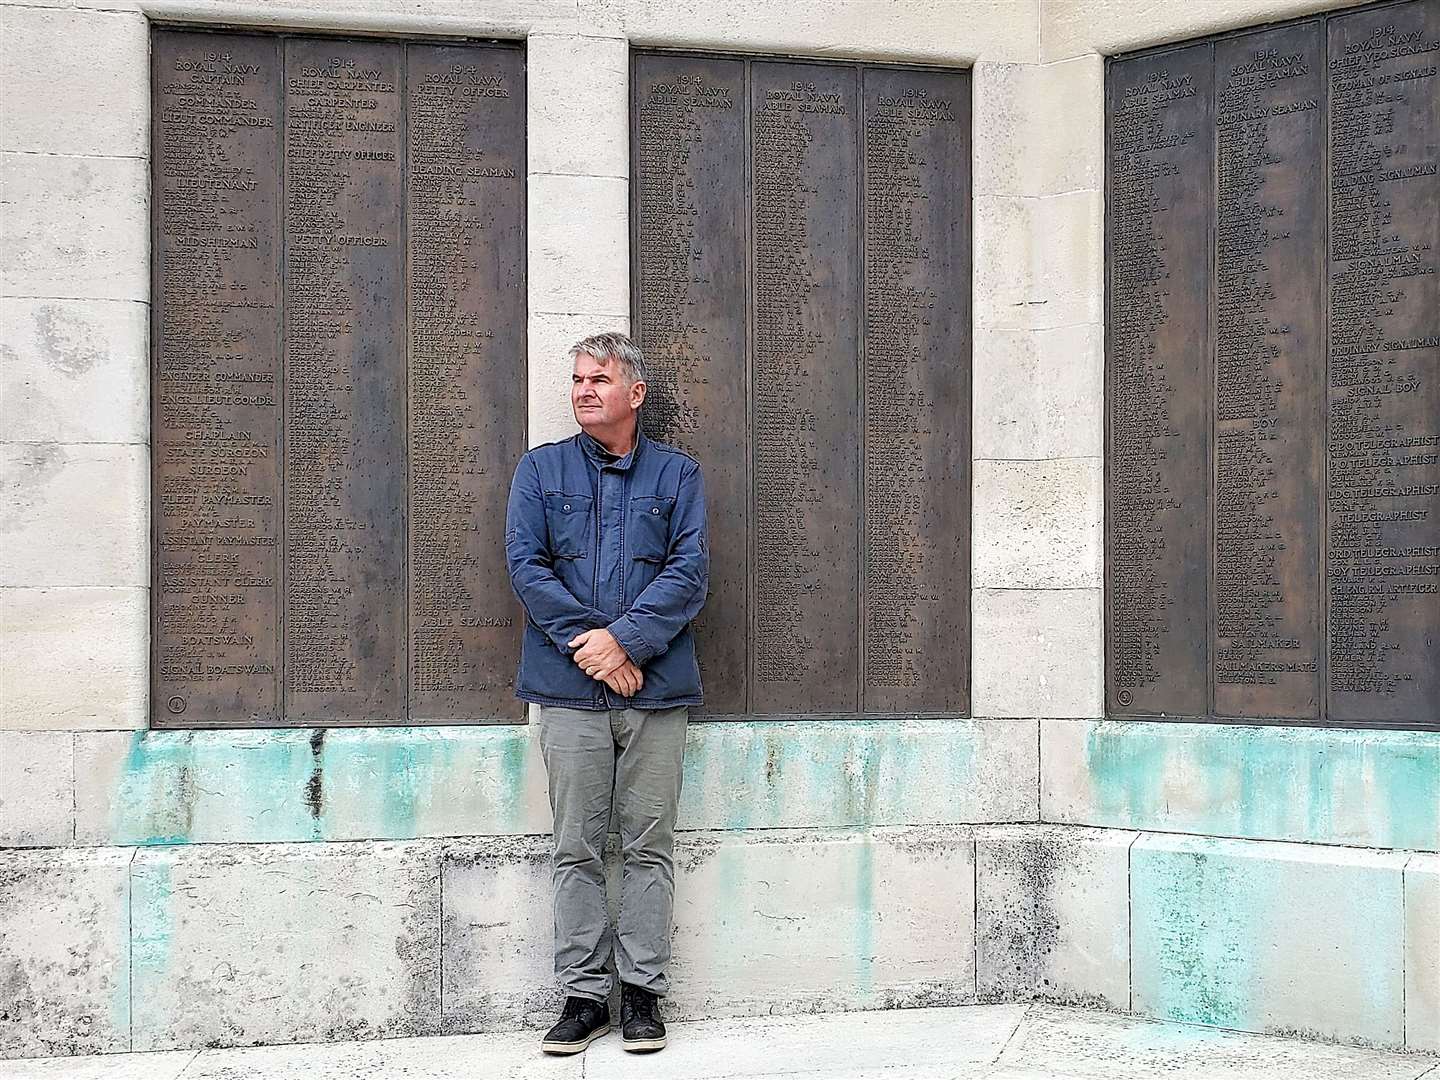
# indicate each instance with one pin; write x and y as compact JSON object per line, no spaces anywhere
{"x":244,"y":945}
{"x":64,"y":952}
{"x":1053,"y":915}
{"x":74,"y":370}
{"x":807,"y":921}
{"x":498,"y":955}
{"x":1269,"y":937}
{"x":1351,"y":787}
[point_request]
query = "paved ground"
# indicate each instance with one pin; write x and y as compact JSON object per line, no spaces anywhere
{"x":981,"y":1042}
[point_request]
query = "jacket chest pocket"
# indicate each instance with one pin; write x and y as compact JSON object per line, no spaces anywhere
{"x":569,"y":519}
{"x":649,"y":538}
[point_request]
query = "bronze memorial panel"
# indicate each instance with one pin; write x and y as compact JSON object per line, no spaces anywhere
{"x":215,"y":406}
{"x":344,"y":390}
{"x":1321,"y":423}
{"x":801,"y":287}
{"x":804,"y":316}
{"x":1384,"y":385}
{"x":1269,"y":374}
{"x":916,"y":361}
{"x":339,"y":313}
{"x":688,"y":146}
{"x":1160,"y":138}
{"x":465,"y":139}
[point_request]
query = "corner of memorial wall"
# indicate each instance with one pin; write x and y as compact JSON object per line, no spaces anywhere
{"x":1070,"y":28}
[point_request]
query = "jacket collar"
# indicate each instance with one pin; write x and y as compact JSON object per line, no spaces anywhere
{"x":599,"y":455}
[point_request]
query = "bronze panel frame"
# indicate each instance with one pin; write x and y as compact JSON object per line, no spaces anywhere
{"x":1422,"y":634}
{"x":959,"y":507}
{"x":515,"y":433}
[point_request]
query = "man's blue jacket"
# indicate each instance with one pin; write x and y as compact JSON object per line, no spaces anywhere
{"x":592,"y":541}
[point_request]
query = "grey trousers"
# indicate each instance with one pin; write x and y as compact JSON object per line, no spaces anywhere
{"x":630,"y":758}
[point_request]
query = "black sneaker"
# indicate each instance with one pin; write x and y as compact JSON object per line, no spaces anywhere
{"x":640,"y":1028}
{"x":581,"y":1023}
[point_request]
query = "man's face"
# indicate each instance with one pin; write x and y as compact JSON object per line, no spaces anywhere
{"x":601,"y":397}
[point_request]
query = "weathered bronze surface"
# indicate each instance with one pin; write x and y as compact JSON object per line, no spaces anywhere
{"x":1268,"y":455}
{"x":465,"y":161}
{"x":215,"y":400}
{"x":1384,"y":386}
{"x":801,"y":237}
{"x":805,"y":318}
{"x":344,"y":432}
{"x":688,"y":146}
{"x":339,"y":378}
{"x":1318,"y":401}
{"x":916,"y":364}
{"x":1160,"y":206}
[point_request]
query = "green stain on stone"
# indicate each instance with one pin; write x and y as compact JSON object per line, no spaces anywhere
{"x":1193,"y":933}
{"x":864,"y":942}
{"x":152,"y":918}
{"x":1411,"y":793}
{"x":514,"y":774}
{"x":1126,"y":766}
{"x":1326,"y":786}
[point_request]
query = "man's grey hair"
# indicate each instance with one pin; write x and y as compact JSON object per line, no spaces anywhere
{"x":613,"y":346}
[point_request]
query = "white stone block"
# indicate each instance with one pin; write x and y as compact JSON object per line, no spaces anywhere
{"x":773,"y":921}
{"x":295,"y":784}
{"x":578,"y":109}
{"x":1363,"y":788}
{"x":74,"y":227}
{"x":1036,"y":652}
{"x":1037,"y":524}
{"x":237,"y":945}
{"x":1039,"y":130}
{"x":74,"y":514}
{"x":64,"y":952}
{"x":1292,"y":939}
{"x":1053,"y":915}
{"x":1039,"y":262}
{"x":551,"y":335}
{"x":1074,"y":27}
{"x":499,"y":953}
{"x":37,"y":798}
{"x":1039,"y":393}
{"x":514,"y":19}
{"x":74,"y":371}
{"x":918,"y":30}
{"x":799,"y":921}
{"x":1422,"y":953}
{"x":74,"y":82}
{"x":799,"y":774}
{"x":73,"y":658}
{"x":579,"y":244}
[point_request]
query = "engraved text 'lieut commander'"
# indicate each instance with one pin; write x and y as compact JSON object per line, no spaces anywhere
{"x":606,"y":544}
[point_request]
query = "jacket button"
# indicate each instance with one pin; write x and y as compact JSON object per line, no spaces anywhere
{"x":567,"y":506}
{"x":654,"y":509}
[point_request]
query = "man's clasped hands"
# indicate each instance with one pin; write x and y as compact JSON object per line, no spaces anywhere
{"x":601,"y":657}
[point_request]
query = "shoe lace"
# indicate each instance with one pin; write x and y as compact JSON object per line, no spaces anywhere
{"x":638,"y":1003}
{"x":574,"y":1007}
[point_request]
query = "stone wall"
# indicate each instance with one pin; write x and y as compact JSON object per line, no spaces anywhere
{"x":1260,"y":878}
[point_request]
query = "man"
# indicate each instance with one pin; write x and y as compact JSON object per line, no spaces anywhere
{"x":606,"y":543}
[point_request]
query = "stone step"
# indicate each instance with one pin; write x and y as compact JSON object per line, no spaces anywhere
{"x":978,"y":1042}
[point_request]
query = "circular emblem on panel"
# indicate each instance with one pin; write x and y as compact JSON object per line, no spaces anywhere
{"x":1124,"y":697}
{"x":176,"y":704}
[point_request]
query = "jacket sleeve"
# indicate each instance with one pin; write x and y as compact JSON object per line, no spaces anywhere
{"x":677,"y":594}
{"x":546,"y":600}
